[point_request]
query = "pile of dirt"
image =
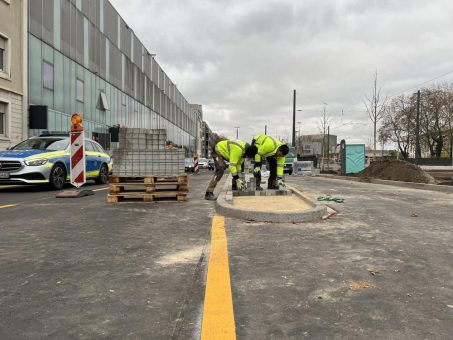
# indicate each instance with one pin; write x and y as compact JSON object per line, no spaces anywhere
{"x":396,"y":171}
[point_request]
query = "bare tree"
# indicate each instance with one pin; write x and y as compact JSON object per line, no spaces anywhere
{"x":398,"y":123}
{"x":323,"y":124}
{"x":375,"y":107}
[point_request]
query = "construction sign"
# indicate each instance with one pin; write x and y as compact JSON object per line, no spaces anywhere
{"x":77,"y":161}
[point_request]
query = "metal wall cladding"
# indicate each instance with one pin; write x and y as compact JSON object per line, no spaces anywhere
{"x":143,"y":152}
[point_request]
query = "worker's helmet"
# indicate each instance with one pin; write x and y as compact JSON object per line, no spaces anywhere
{"x":250,"y":150}
{"x":284,"y":149}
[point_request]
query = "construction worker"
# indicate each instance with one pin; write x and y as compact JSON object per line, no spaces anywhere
{"x":274,"y":151}
{"x":234,"y":152}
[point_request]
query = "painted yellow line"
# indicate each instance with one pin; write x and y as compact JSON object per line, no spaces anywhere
{"x":101,"y":189}
{"x":218,"y":314}
{"x":7,"y":206}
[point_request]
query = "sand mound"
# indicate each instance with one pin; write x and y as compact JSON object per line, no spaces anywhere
{"x":396,"y":171}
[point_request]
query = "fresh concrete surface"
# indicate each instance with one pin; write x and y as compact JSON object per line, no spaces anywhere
{"x":277,"y":203}
{"x":225,"y":206}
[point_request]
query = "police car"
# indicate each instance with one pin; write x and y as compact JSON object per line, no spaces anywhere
{"x":45,"y":159}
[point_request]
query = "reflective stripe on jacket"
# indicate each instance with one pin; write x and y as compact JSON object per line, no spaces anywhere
{"x":233,"y":152}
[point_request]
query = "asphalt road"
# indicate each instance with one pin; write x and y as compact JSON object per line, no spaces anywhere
{"x":84,"y":269}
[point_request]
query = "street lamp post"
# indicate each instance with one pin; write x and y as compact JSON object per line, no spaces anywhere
{"x":237,"y":131}
{"x":294,"y":118}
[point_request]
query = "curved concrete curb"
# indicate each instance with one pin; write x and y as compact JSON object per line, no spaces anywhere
{"x":225,"y":207}
{"x":409,"y":185}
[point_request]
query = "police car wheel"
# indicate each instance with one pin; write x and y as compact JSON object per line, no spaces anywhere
{"x":57,"y":177}
{"x":103,"y":175}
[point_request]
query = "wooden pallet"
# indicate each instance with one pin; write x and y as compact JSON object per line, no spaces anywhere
{"x":158,"y":180}
{"x":116,"y":188}
{"x":139,"y":196}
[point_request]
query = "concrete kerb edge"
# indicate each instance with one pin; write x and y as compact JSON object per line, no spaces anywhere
{"x":223,"y":207}
{"x":409,"y":185}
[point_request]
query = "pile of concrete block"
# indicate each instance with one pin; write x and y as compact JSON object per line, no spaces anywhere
{"x":142,"y":139}
{"x":143,"y":152}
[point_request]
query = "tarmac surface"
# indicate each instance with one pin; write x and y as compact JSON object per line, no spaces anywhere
{"x":83,"y":269}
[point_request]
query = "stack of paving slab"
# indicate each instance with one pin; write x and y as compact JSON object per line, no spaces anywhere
{"x":143,"y":152}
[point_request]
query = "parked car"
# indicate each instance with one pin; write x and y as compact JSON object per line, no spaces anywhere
{"x":45,"y":160}
{"x":188,"y":164}
{"x":203,"y":163}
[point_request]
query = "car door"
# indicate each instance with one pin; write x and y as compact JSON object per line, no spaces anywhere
{"x":92,"y":167}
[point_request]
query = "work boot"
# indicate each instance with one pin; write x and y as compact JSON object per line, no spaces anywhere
{"x":272,"y":185}
{"x":209,"y":196}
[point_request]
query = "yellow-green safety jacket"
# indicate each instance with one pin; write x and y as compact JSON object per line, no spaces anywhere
{"x":267,"y":147}
{"x":233,"y":152}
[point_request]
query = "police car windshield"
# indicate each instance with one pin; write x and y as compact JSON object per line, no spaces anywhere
{"x":49,"y":144}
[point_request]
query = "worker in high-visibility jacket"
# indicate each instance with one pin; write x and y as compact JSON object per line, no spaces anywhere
{"x":233,"y":151}
{"x":274,"y":151}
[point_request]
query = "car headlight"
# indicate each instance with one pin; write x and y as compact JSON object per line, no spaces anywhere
{"x":36,"y":162}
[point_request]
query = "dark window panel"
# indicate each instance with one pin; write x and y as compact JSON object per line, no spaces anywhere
{"x":138,"y":52}
{"x":147,"y":65}
{"x":73,"y":45}
{"x":65,"y":27}
{"x":110,"y":22}
{"x":102,"y":56}
{"x":48,"y":22}
{"x":97,"y":22}
{"x":35,"y":13}
{"x":156,"y":71}
{"x":99,"y":48}
{"x":79,"y":50}
{"x":92,"y":14}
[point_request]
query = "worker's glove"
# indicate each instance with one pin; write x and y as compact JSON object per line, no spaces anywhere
{"x":240,"y":184}
{"x":257,"y":170}
{"x":281,"y":183}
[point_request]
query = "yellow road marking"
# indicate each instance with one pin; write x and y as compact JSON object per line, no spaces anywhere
{"x":101,"y":189}
{"x":7,"y":206}
{"x":218,"y":314}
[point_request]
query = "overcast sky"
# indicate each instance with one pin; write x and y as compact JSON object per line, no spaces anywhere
{"x":241,"y":59}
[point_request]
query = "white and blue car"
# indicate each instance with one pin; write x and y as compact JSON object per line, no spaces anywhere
{"x":45,"y":160}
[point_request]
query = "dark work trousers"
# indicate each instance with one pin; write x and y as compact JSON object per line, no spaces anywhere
{"x":272,"y":162}
{"x":220,"y":165}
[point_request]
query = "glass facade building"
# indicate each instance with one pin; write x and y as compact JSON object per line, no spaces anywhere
{"x":83,"y":57}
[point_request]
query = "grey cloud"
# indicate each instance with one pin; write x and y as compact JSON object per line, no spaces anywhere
{"x":242,"y":59}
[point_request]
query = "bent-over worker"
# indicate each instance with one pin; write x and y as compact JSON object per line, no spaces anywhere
{"x":234,"y":152}
{"x":274,"y":151}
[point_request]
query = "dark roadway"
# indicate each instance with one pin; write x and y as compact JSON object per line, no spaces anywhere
{"x":85,"y":269}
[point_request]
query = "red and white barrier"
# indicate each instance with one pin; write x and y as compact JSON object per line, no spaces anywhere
{"x":77,"y":161}
{"x":195,"y":165}
{"x":78,"y":177}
